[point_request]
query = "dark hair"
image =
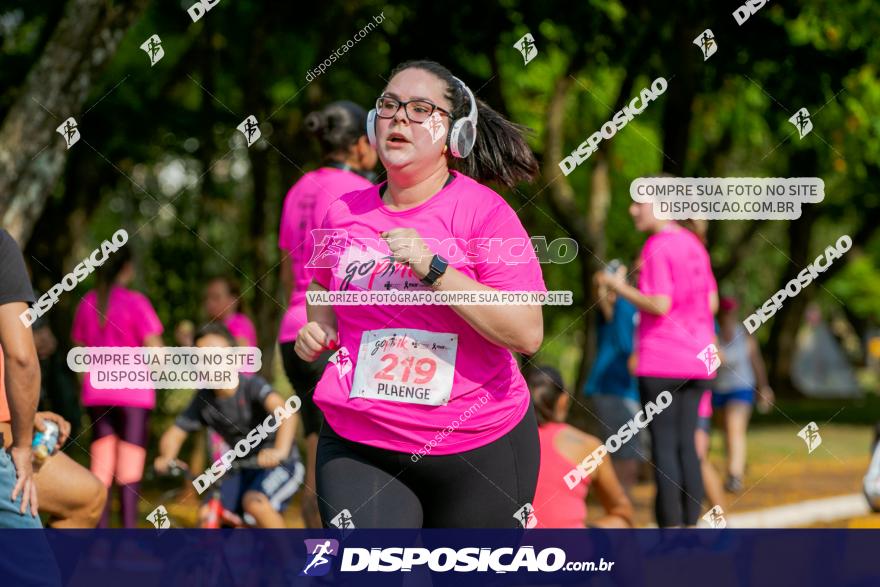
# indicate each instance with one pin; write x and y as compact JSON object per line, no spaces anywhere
{"x":106,"y":275}
{"x":337,"y":127}
{"x":546,"y":385}
{"x":501,"y":153}
{"x":217,"y":329}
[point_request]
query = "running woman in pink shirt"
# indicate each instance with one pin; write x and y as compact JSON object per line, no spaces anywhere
{"x":428,"y":421}
{"x":112,"y":315}
{"x":348,"y":159}
{"x":676,"y":297}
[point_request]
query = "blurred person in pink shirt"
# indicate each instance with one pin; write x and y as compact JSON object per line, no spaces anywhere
{"x":677,"y":297}
{"x":346,"y":166}
{"x":113,"y":315}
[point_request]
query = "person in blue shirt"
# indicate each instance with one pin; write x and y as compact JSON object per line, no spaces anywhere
{"x":611,"y":389}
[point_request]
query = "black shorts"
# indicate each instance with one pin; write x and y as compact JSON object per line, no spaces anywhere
{"x":304,"y":377}
{"x":371,"y":487}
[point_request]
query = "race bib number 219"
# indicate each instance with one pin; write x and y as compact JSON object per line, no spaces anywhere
{"x":405,"y":365}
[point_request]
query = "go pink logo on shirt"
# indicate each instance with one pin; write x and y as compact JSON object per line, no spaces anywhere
{"x":330,"y":245}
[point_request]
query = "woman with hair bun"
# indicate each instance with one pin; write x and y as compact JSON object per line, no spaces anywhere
{"x":347,"y":163}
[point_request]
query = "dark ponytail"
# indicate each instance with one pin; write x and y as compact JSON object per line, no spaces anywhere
{"x":501,"y":153}
{"x":546,"y":385}
{"x":106,"y":275}
{"x":337,"y":127}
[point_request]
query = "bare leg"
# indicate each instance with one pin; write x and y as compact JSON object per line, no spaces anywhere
{"x":711,"y":480}
{"x":257,"y":505}
{"x":70,"y":493}
{"x":627,"y":471}
{"x":737,"y":421}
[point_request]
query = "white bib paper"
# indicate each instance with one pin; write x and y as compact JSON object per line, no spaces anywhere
{"x":405,"y":365}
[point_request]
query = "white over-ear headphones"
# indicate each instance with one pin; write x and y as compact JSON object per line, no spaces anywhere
{"x":462,"y":135}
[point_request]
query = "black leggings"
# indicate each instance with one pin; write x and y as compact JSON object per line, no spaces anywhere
{"x":479,"y":488}
{"x":304,"y":378}
{"x":677,"y":468}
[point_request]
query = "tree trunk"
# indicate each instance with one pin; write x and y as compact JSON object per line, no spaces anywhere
{"x":31,"y":156}
{"x":786,"y":322}
{"x":267,"y":314}
{"x":67,"y":219}
{"x":679,"y":108}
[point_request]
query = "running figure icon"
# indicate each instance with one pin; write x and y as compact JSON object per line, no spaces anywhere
{"x":319,"y":553}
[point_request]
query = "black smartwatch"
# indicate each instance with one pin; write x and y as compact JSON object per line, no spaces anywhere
{"x":438,"y":268}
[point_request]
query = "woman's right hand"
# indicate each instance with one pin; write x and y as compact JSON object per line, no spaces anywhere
{"x":163,"y":464}
{"x":313,"y":339}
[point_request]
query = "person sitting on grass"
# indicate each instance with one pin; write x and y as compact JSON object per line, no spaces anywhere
{"x":562,"y":448}
{"x":259,"y":494}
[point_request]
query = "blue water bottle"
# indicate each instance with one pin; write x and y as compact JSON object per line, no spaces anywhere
{"x":45,"y":442}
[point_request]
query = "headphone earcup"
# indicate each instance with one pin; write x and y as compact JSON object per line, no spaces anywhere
{"x":371,"y":127}
{"x":462,"y":138}
{"x":452,"y":139}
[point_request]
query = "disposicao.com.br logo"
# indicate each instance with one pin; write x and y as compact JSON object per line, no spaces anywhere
{"x":441,"y":560}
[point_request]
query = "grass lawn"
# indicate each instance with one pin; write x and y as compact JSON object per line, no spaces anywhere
{"x":780,"y":469}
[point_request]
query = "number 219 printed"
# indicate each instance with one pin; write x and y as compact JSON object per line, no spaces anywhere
{"x":424,"y":369}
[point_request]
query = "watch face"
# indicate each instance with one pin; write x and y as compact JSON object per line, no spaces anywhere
{"x":437,"y":268}
{"x":439,"y":264}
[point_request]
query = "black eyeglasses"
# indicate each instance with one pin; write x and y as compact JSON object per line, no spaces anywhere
{"x":416,"y":110}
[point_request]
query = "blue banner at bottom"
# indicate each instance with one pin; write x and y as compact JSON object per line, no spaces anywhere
{"x":218,"y":558}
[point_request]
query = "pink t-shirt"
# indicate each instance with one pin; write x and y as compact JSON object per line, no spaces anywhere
{"x":485,"y":381}
{"x":130,"y":319}
{"x":675,"y":263}
{"x":240,"y":326}
{"x":304,"y":209}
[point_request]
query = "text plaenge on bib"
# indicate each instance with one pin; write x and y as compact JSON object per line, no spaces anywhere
{"x":405,"y":365}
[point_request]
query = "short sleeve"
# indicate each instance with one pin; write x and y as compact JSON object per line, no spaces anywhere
{"x":505,"y":258}
{"x":148,"y":323}
{"x":257,"y":390}
{"x":191,"y":418}
{"x":284,"y":230}
{"x":324,"y":253}
{"x":655,"y":276}
{"x":245,"y":329}
{"x":15,"y":286}
{"x":322,"y":277}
